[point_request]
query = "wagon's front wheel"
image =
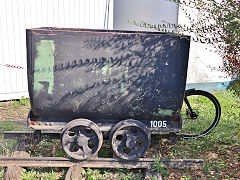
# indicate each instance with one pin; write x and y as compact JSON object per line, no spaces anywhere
{"x":130,"y":139}
{"x":81,"y":139}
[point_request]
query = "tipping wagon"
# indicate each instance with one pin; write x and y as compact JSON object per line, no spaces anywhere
{"x":121,"y":85}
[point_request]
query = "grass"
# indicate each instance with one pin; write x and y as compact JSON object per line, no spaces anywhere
{"x":160,"y":167}
{"x":220,"y":149}
{"x":34,"y":175}
{"x":204,"y":111}
{"x":1,"y":173}
{"x":7,"y":146}
{"x":14,"y":110}
{"x":7,"y":125}
{"x":21,"y":102}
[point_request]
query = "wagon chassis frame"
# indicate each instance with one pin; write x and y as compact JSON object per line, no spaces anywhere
{"x":104,"y":125}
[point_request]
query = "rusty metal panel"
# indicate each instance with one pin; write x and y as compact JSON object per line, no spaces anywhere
{"x":109,"y":75}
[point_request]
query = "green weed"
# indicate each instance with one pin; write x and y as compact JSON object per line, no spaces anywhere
{"x":91,"y":174}
{"x":34,"y":175}
{"x":21,"y":102}
{"x":29,"y":175}
{"x":160,"y":167}
{"x":11,"y":126}
{"x":7,"y":125}
{"x":186,"y":177}
{"x":234,"y":86}
{"x":119,"y":174}
{"x":51,"y":175}
{"x":126,"y":174}
{"x":1,"y":173}
{"x":60,"y":153}
{"x":7,"y":146}
{"x":214,"y":166}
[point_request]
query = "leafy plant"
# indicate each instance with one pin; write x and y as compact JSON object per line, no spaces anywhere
{"x":21,"y":102}
{"x":1,"y":173}
{"x":7,"y":146}
{"x":29,"y":175}
{"x":212,"y":166}
{"x":160,"y":167}
{"x":7,"y":125}
{"x":235,"y":86}
{"x":51,"y":176}
{"x":216,"y":23}
{"x":91,"y":174}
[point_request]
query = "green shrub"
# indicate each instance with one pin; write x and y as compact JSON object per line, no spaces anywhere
{"x":235,"y":86}
{"x":21,"y":102}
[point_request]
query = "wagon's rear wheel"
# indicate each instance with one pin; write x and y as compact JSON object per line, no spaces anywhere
{"x":130,"y":139}
{"x":200,"y":113}
{"x":81,"y":139}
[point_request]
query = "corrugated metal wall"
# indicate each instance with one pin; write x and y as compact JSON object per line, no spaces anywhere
{"x":18,"y":15}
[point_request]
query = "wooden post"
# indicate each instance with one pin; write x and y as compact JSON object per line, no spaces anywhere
{"x":14,"y":172}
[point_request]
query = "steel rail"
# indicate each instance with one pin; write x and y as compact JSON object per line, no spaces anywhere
{"x":98,"y":162}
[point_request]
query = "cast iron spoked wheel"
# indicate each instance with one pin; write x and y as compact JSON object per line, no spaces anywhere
{"x":200,"y":113}
{"x":130,"y":139}
{"x":81,"y":139}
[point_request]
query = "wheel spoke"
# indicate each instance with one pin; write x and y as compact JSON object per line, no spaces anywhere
{"x":120,"y":147}
{"x":87,"y":132}
{"x":131,"y":141}
{"x":69,"y":139}
{"x":86,"y":150}
{"x":120,"y":142}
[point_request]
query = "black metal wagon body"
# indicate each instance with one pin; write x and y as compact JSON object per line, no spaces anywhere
{"x":106,"y":76}
{"x":120,"y":85}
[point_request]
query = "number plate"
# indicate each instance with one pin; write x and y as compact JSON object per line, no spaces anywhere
{"x":158,"y":124}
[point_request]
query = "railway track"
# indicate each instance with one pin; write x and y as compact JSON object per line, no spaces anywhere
{"x":21,"y":159}
{"x":97,"y":162}
{"x":15,"y":164}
